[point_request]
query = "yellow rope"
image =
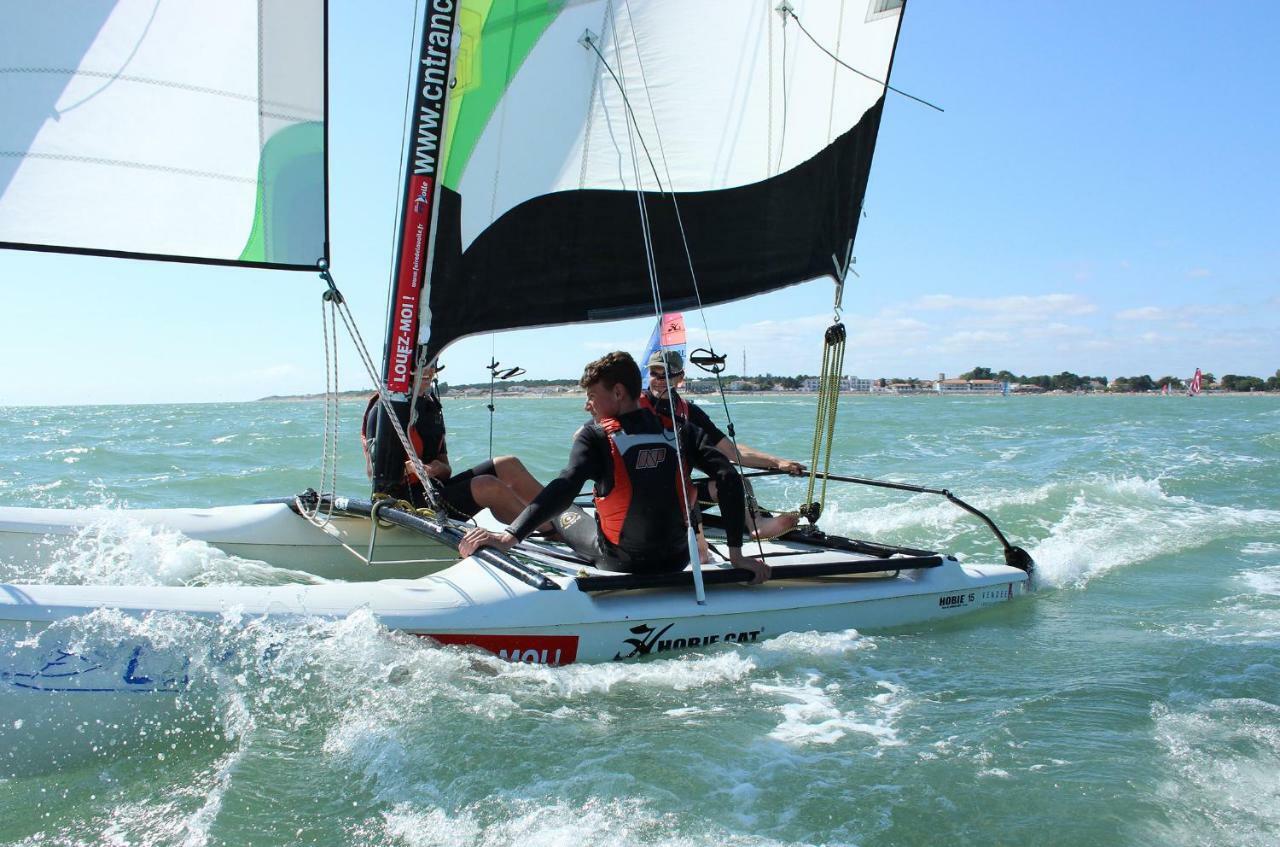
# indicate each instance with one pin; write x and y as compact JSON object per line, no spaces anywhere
{"x":825,"y":423}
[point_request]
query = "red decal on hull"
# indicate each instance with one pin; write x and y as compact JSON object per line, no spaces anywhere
{"x":533,"y":649}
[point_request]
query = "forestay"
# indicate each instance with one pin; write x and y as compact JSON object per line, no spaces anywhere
{"x":187,"y":131}
{"x":723,"y":113}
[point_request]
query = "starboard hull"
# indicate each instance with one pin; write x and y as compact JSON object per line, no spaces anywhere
{"x":74,"y":673}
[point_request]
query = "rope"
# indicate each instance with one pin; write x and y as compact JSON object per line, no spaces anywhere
{"x":329,"y":437}
{"x":824,"y":427}
{"x":384,"y":398}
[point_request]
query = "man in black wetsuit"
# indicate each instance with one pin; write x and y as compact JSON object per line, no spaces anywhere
{"x":666,"y":375}
{"x":502,"y":485}
{"x":626,"y":450}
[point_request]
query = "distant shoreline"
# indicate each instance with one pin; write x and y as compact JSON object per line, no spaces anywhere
{"x":544,"y":395}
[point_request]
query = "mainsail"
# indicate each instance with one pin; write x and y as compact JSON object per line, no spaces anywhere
{"x":178,"y":131}
{"x":594,"y":147}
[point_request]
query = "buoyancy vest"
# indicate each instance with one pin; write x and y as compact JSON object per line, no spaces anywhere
{"x":642,"y":511}
{"x":662,"y":408}
{"x":367,"y":433}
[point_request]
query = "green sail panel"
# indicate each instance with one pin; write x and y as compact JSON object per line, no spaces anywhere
{"x":192,"y":132}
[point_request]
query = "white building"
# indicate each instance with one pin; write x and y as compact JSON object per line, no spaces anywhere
{"x":853,"y":383}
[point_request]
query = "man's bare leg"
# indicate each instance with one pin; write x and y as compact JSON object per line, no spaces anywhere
{"x":760,"y":526}
{"x":496,"y":496}
{"x":513,"y":472}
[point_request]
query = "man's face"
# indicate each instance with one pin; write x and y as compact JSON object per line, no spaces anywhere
{"x":603,"y":402}
{"x":659,"y":383}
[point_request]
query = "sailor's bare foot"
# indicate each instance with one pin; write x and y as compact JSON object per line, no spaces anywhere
{"x":774,"y":525}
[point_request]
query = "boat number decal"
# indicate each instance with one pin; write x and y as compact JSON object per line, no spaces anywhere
{"x":70,"y":672}
{"x":649,"y":639}
{"x":955,"y":601}
{"x":532,"y":649}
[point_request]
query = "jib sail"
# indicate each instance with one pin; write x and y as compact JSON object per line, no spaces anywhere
{"x":182,"y":131}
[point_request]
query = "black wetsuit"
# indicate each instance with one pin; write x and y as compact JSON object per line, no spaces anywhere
{"x":693,"y":414}
{"x":429,"y":437}
{"x":648,"y":531}
{"x":688,"y":411}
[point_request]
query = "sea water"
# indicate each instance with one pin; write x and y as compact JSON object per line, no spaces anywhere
{"x":1135,"y":699}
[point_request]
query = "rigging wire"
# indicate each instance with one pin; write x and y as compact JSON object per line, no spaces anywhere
{"x":634,"y":133}
{"x":650,"y":256}
{"x":782,"y":141}
{"x":384,"y":397}
{"x":786,"y":11}
{"x":693,"y":276}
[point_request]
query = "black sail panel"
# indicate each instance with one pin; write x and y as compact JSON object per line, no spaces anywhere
{"x":580,"y":256}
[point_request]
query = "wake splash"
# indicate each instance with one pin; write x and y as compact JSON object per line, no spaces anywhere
{"x":117,"y":549}
{"x":432,"y":745}
{"x":1075,"y":530}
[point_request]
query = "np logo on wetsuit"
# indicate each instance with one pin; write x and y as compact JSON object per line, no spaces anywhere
{"x":650,"y":458}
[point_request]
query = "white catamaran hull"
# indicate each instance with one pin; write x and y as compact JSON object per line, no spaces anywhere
{"x":66,"y":699}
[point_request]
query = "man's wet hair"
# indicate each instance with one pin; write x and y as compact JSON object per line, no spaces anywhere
{"x":616,"y":368}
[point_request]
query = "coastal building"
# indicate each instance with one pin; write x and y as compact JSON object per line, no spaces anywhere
{"x":853,"y":383}
{"x":976,"y":386}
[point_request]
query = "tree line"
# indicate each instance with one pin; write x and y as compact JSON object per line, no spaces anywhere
{"x":1068,"y":381}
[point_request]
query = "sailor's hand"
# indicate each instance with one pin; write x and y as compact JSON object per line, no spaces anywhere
{"x":788,"y":466}
{"x":477,"y":538}
{"x":749,"y":563}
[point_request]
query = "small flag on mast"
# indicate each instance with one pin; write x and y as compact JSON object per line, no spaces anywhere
{"x":669,"y":334}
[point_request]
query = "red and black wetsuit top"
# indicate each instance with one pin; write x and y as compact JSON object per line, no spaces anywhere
{"x":639,"y":513}
{"x":426,"y":434}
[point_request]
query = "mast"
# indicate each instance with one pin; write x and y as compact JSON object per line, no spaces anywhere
{"x":416,"y":231}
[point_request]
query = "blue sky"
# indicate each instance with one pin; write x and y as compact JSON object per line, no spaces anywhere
{"x":1102,"y":195}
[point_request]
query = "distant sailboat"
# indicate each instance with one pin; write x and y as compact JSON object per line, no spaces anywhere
{"x":1193,"y":387}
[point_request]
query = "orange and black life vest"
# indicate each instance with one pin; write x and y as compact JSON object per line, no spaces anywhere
{"x":642,"y":511}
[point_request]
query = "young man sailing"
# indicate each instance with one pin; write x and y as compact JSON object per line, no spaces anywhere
{"x":640,"y":495}
{"x":666,"y":375}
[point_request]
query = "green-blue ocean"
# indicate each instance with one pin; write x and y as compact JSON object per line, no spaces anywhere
{"x":1134,"y":699}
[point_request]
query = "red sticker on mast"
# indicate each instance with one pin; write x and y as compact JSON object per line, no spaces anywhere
{"x":531,"y":649}
{"x":413,"y":256}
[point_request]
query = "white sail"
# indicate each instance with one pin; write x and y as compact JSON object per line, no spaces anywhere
{"x":170,"y":130}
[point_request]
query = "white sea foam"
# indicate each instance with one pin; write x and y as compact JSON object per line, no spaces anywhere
{"x":118,"y":549}
{"x":1222,"y":757}
{"x":1264,"y":580}
{"x":683,"y":673}
{"x":813,"y":717}
{"x":1114,"y":523}
{"x":548,"y":822}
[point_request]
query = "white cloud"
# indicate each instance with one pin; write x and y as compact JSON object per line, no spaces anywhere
{"x":1144,"y":313}
{"x":1199,"y":273}
{"x":1014,"y":307}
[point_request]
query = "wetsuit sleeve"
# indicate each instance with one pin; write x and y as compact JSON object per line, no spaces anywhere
{"x":586,"y":462}
{"x":705,"y":457}
{"x":702,"y":421}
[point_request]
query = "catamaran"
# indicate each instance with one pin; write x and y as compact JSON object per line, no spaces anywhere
{"x":567,"y":162}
